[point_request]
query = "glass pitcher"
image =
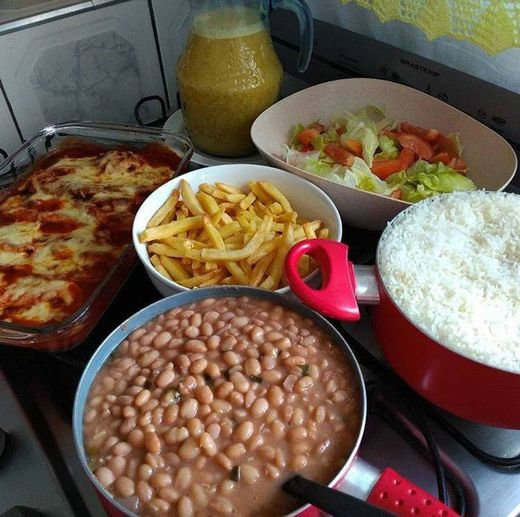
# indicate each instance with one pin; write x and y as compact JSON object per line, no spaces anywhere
{"x":229,"y":72}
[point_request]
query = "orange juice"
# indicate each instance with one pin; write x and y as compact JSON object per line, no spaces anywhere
{"x":228,"y":74}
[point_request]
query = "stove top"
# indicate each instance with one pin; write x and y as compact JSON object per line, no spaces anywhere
{"x":477,"y":468}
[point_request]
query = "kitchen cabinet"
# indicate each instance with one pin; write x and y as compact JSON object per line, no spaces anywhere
{"x":9,"y":138}
{"x":94,"y":65}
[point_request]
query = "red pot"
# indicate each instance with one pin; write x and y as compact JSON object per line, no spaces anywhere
{"x":458,"y":384}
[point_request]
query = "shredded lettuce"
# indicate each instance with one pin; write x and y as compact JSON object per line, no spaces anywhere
{"x":388,"y":148}
{"x":423,"y":180}
{"x":297,"y":129}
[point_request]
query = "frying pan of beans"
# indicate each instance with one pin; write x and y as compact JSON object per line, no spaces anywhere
{"x":206,"y":402}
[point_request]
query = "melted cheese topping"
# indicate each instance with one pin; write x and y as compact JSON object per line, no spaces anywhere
{"x":64,"y":227}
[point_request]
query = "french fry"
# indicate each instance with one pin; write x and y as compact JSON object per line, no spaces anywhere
{"x":268,"y":283}
{"x":217,"y":279}
{"x":171,"y":229}
{"x":230,"y":229}
{"x":199,"y":279}
{"x":235,"y":255}
{"x":166,"y":211}
{"x":272,"y":191}
{"x":275,"y":269}
{"x":257,"y":190}
{"x":275,"y":208}
{"x":324,"y":233}
{"x":207,"y":202}
{"x":247,"y":201}
{"x":219,"y":194}
{"x":286,"y":217}
{"x":163,"y":249}
{"x":310,"y":229}
{"x":261,"y":267}
{"x":228,"y":188}
{"x":236,"y":272}
{"x":154,"y":259}
{"x":174,"y":268}
{"x":266,"y":248}
{"x":190,"y":200}
{"x":304,"y":266}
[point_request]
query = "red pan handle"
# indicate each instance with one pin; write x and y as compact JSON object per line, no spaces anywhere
{"x":337,"y":296}
{"x":396,"y":494}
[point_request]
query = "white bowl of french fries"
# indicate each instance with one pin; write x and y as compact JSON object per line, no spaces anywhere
{"x":230,"y":225}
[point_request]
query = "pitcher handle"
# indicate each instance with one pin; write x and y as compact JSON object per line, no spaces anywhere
{"x":302,"y":11}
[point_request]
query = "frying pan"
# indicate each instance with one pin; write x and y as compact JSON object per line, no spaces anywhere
{"x":387,"y":489}
{"x":459,"y":384}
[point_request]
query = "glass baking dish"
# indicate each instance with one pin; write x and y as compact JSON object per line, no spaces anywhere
{"x":73,"y":330}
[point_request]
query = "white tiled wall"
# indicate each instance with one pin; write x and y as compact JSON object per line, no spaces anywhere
{"x":172,"y":19}
{"x":94,"y":65}
{"x":9,"y":139}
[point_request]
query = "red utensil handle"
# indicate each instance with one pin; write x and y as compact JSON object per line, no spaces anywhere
{"x":396,"y":494}
{"x":337,"y":296}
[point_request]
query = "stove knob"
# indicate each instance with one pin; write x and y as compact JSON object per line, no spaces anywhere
{"x":21,"y":511}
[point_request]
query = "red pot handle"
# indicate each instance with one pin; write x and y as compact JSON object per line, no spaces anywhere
{"x":396,"y":494}
{"x":337,"y":296}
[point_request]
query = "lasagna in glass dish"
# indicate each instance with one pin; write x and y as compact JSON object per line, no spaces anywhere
{"x":65,"y":225}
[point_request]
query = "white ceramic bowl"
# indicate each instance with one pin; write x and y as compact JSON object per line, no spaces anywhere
{"x":491,"y":160}
{"x":308,"y":200}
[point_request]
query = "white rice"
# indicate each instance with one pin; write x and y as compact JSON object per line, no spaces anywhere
{"x":452,"y":265}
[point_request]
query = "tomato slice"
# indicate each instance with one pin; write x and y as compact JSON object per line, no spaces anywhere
{"x":307,"y":148}
{"x":384,"y":168}
{"x":429,"y":135}
{"x":406,"y":157}
{"x":307,"y":135}
{"x":397,"y":194}
{"x":443,"y":157}
{"x":416,"y":144}
{"x":340,"y":155}
{"x":354,"y":146}
{"x":340,"y":130}
{"x":448,"y":145}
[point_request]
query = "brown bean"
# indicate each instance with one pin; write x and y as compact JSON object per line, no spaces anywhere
{"x":226,"y":487}
{"x":136,"y":437}
{"x":275,"y":396}
{"x":171,"y":413}
{"x":298,"y":416}
{"x":144,"y":491}
{"x":267,"y":452}
{"x":213,"y":430}
{"x":213,"y":342}
{"x":252,"y":367}
{"x":152,"y":442}
{"x":208,"y":444}
{"x":221,"y":406}
{"x":145,"y":472}
{"x":169,"y":494}
{"x":162,"y":339}
{"x":189,"y":408}
{"x":304,"y":384}
{"x":223,"y":461}
{"x":278,"y":429}
{"x":185,"y":507}
{"x":289,"y":382}
{"x":235,"y":451}
{"x":213,"y":370}
{"x":165,"y":378}
{"x":271,"y":472}
{"x":224,"y":390}
{"x":189,"y":449}
{"x":142,"y":398}
{"x":149,"y":406}
{"x":148,"y":358}
{"x":249,"y":474}
{"x":176,"y":435}
{"x":124,"y":487}
{"x":237,"y":399}
{"x":244,"y":431}
{"x":195,"y":427}
{"x":195,"y":346}
{"x":122,"y":449}
{"x":117,"y":465}
{"x":231,"y":358}
{"x":259,"y":407}
{"x":105,"y":476}
{"x":160,"y":479}
{"x":192,"y":332}
{"x":184,"y":478}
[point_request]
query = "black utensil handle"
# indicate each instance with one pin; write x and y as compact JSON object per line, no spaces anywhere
{"x":334,"y":502}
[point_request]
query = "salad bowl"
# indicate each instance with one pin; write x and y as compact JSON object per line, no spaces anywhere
{"x":491,"y":161}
